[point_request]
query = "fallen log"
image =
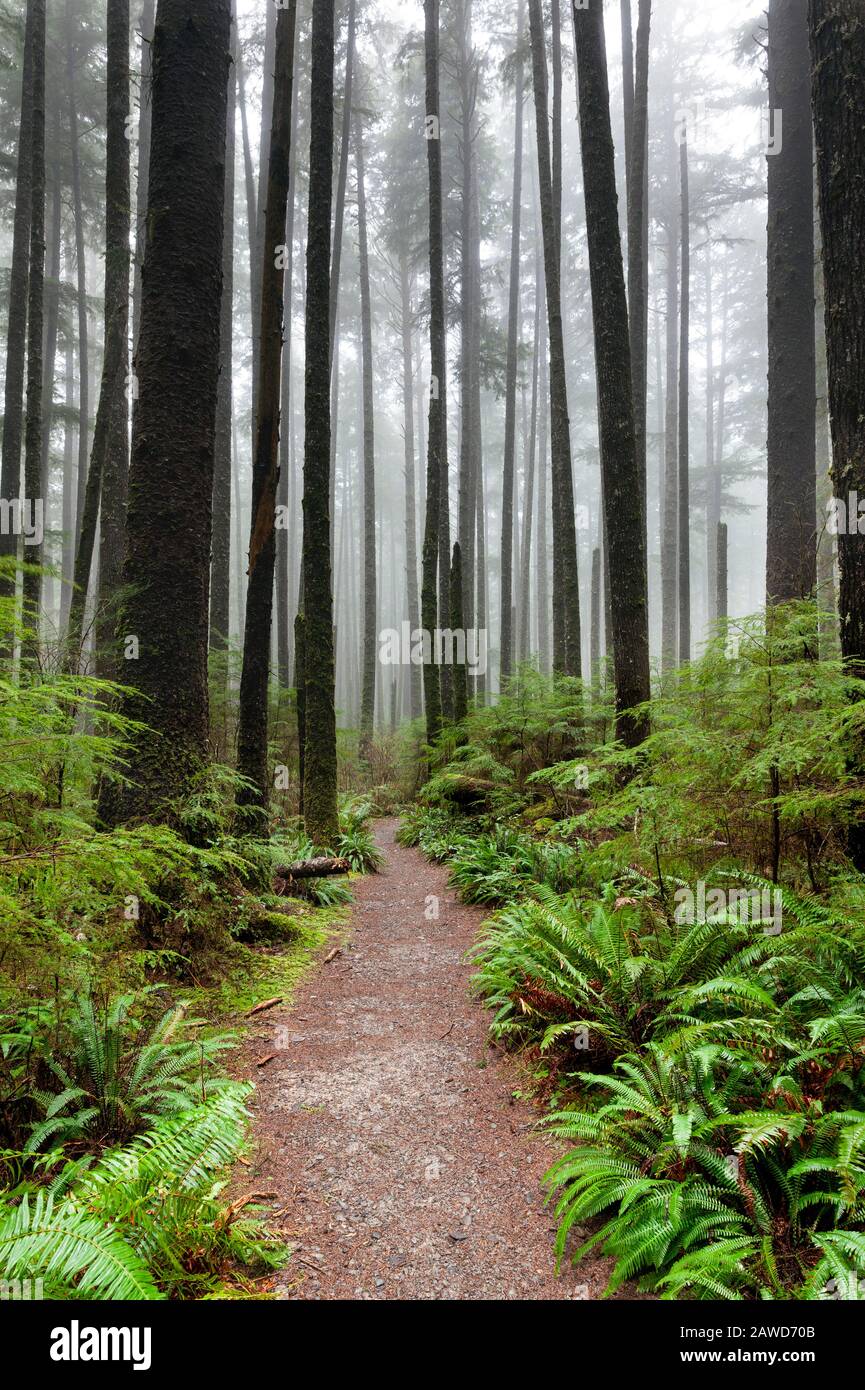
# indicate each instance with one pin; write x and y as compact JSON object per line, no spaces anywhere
{"x":312,"y":868}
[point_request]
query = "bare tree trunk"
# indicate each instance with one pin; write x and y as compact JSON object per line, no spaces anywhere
{"x":511,"y":369}
{"x":146,"y":31}
{"x":791,"y":552}
{"x":81,"y":264}
{"x":415,"y":688}
{"x":32,"y":580}
{"x":437,"y":432}
{"x":721,"y":572}
{"x":529,"y":498}
{"x":68,"y":521}
{"x":171,"y":475}
{"x":467,"y":75}
{"x":220,"y":564}
{"x":253,"y":709}
{"x":16,"y":332}
{"x":370,"y":578}
{"x":319,"y":795}
{"x":684,"y":406}
{"x":623,"y":512}
{"x":638,"y":215}
{"x":115,"y":459}
{"x":566,"y":589}
{"x":285,"y":500}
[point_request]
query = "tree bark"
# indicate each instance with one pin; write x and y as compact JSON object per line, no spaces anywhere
{"x":115,"y":464}
{"x":32,"y":492}
{"x":625,"y":523}
{"x":437,"y":429}
{"x":16,"y":332}
{"x":369,"y":653}
{"x":255,"y":673}
{"x":511,"y":370}
{"x":415,"y":686}
{"x":220,"y":550}
{"x":684,"y":418}
{"x":670,"y":544}
{"x":566,"y":588}
{"x":837,"y":39}
{"x":81,"y":294}
{"x":319,"y":796}
{"x":637,"y":225}
{"x":171,"y":475}
{"x":791,"y":552}
{"x":145,"y":80}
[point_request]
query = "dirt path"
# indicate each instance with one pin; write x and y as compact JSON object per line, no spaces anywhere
{"x":404,"y":1166}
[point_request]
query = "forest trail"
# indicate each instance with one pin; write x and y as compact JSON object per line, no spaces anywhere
{"x":386,"y":1124}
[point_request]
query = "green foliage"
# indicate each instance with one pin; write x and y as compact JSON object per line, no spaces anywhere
{"x":119,"y":1073}
{"x":146,"y":1221}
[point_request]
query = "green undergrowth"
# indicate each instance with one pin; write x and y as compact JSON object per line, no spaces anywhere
{"x":677,"y":950}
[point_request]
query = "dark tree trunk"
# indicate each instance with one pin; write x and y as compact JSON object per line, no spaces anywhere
{"x":285,"y":490}
{"x":712,"y":511}
{"x":319,"y":796}
{"x":81,"y":294}
{"x":252,"y":713}
{"x":32,"y":591}
{"x":625,"y":527}
{"x":543,"y":578}
{"x":595,"y":634}
{"x":16,"y":333}
{"x":369,"y":652}
{"x":637,"y":225}
{"x":52,"y":298}
{"x":837,"y":37}
{"x":68,"y":516}
{"x":146,"y":30}
{"x":220,"y":550}
{"x":115,"y":461}
{"x":670,"y":544}
{"x":437,"y":432}
{"x":415,"y":688}
{"x":511,"y":370}
{"x":791,"y":551}
{"x":566,"y":588}
{"x":457,"y":622}
{"x":342,"y":175}
{"x":467,"y":73}
{"x":529,"y":498}
{"x":480,"y":550}
{"x":628,"y":81}
{"x":684,"y":534}
{"x":171,"y":475}
{"x":721,"y":571}
{"x":257,"y":244}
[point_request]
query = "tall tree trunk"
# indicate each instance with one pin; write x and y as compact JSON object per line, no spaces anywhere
{"x":32,"y":493}
{"x":595,"y":633}
{"x":481,"y":680}
{"x":81,"y":287}
{"x":107,"y":476}
{"x":115,"y":463}
{"x":370,"y":650}
{"x":319,"y":795}
{"x":543,"y":578}
{"x":171,"y":475}
{"x":52,"y":298}
{"x":145,"y":80}
{"x":712,"y":515}
{"x":336,"y":252}
{"x":415,"y":687}
{"x":670,"y":544}
{"x":625,"y":521}
{"x":791,"y":552}
{"x":566,"y":588}
{"x":220,"y":562}
{"x":253,"y":710}
{"x":525,"y":623}
{"x":256,"y":250}
{"x":511,"y":369}
{"x":457,"y":623}
{"x":68,"y":521}
{"x":837,"y":38}
{"x":827,"y":543}
{"x":16,"y":332}
{"x":437,"y":431}
{"x":721,"y":572}
{"x":628,"y":81}
{"x":637,"y":225}
{"x":684,"y":419}
{"x":285,"y":499}
{"x":467,"y":74}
